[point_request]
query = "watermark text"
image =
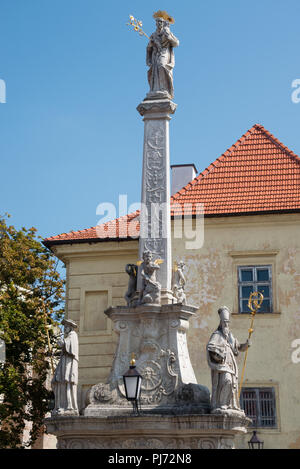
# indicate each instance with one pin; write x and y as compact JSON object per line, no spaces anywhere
{"x":151,"y":221}
{"x":2,"y":91}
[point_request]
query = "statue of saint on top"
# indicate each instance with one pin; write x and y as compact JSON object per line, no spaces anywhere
{"x":160,"y":58}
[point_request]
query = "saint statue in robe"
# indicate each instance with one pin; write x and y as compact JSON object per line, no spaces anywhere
{"x":65,"y":379}
{"x":222,"y":350}
{"x":160,"y":58}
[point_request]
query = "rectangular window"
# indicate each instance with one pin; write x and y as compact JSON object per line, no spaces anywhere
{"x":251,"y":279}
{"x":259,"y":405}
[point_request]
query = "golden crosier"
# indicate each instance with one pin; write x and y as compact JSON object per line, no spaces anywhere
{"x":254,"y":303}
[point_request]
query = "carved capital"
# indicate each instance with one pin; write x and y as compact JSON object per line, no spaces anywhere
{"x":159,"y":106}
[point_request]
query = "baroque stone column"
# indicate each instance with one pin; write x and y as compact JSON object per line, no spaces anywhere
{"x":153,"y":326}
{"x":155,"y":221}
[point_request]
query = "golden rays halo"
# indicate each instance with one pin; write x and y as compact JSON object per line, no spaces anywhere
{"x":164,"y":15}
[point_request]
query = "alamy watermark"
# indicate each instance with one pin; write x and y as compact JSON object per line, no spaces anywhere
{"x":296,"y":353}
{"x":188,"y":221}
{"x":2,"y":91}
{"x":295,"y":96}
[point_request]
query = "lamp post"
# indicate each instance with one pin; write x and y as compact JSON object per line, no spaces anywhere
{"x":255,"y":442}
{"x":132,"y":382}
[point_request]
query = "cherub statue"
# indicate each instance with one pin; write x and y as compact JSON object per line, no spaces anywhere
{"x":179,"y":283}
{"x":150,"y":289}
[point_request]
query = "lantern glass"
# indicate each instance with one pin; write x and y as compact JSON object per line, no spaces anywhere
{"x":132,"y":387}
{"x":132,"y":382}
{"x":255,"y":442}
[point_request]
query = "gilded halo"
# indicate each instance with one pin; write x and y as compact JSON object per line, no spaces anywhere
{"x":164,"y":15}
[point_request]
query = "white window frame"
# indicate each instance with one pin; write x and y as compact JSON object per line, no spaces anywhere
{"x":255,"y":284}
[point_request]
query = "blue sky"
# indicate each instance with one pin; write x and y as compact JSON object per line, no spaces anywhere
{"x":71,"y":137}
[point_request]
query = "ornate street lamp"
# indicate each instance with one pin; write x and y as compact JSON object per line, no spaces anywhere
{"x":132,"y":382}
{"x":255,"y":442}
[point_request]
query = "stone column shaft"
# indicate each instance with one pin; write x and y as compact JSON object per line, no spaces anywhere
{"x":155,"y":221}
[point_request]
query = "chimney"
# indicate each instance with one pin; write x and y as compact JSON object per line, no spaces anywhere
{"x":182,"y":174}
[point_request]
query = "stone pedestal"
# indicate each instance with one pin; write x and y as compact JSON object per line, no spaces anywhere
{"x":147,"y":432}
{"x":155,"y":221}
{"x":157,"y":337}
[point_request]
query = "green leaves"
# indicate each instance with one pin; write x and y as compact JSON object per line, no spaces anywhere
{"x":31,"y":294}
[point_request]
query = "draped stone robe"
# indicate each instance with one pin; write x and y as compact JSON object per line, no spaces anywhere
{"x":221,"y":353}
{"x":161,"y":60}
{"x":66,"y":371}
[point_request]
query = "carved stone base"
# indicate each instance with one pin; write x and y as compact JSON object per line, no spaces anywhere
{"x":157,"y":337}
{"x":152,"y":95}
{"x":147,"y":432}
{"x":229,"y":412}
{"x":64,"y":412}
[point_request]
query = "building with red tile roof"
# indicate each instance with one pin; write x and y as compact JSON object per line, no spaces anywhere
{"x":256,"y":175}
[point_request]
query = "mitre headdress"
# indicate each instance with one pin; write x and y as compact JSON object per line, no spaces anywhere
{"x":224,"y":313}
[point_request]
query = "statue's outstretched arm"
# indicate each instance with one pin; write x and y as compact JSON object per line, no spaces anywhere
{"x":243,"y":347}
{"x":172,"y":40}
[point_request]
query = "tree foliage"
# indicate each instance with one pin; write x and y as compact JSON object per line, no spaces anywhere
{"x":31,"y":292}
